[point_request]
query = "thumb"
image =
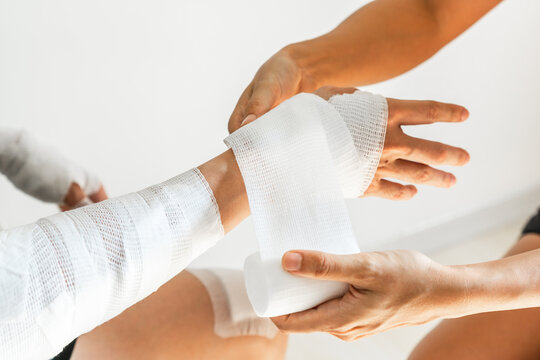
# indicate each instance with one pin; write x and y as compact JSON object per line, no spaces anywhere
{"x":324,"y":266}
{"x":263,"y":99}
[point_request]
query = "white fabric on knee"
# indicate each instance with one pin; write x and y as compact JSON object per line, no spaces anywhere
{"x":40,"y":170}
{"x":65,"y":274}
{"x":295,"y":199}
{"x":233,"y":313}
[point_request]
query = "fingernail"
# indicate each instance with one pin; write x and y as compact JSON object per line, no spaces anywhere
{"x":292,"y":261}
{"x":464,"y":114}
{"x":248,"y":119}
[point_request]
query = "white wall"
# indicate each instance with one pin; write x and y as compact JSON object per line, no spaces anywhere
{"x":140,"y":91}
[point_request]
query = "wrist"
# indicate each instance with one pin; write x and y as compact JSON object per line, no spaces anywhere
{"x":307,"y":63}
{"x":470,"y":290}
{"x":224,"y":178}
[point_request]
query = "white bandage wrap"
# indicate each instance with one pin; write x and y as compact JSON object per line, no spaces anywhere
{"x":365,"y":115}
{"x":40,"y":170}
{"x":287,"y":159}
{"x":233,"y":313}
{"x":65,"y":274}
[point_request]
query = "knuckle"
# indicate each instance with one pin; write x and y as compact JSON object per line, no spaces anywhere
{"x":433,"y":110}
{"x":399,"y":194}
{"x":323,"y":266}
{"x":424,"y":175}
{"x":255,"y":106}
{"x":441,"y":156}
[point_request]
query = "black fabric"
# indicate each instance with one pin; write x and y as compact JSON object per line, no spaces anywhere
{"x":533,"y":226}
{"x":66,"y":353}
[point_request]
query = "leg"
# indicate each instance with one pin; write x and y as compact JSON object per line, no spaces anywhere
{"x":177,"y":321}
{"x":495,"y":335}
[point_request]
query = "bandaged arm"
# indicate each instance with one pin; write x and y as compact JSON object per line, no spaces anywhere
{"x":67,"y":273}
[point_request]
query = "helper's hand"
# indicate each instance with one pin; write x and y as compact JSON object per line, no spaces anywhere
{"x":76,"y":196}
{"x":278,"y":79}
{"x":407,"y":158}
{"x":387,"y":290}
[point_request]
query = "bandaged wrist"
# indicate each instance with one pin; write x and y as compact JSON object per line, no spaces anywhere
{"x":365,"y":116}
{"x":67,"y":273}
{"x":295,"y":197}
{"x":38,"y":169}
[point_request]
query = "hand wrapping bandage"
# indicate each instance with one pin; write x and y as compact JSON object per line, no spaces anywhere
{"x":297,"y":162}
{"x":65,"y":274}
{"x":40,"y":170}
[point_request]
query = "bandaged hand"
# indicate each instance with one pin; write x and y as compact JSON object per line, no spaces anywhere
{"x":386,"y":290}
{"x":403,"y":157}
{"x":41,"y":171}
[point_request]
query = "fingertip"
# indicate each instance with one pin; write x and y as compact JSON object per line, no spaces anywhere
{"x":99,"y":195}
{"x":465,"y":157}
{"x":74,"y":195}
{"x":248,"y":119}
{"x":411,"y":192}
{"x":464,"y":114}
{"x":451,"y":180}
{"x":292,"y":261}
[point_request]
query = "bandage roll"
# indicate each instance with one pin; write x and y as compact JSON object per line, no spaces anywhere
{"x":275,"y":292}
{"x":295,"y":199}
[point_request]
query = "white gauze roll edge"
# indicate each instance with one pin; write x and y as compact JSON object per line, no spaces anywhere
{"x":295,"y":199}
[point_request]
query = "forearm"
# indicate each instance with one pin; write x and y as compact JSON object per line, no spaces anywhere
{"x":509,"y":283}
{"x":383,"y":39}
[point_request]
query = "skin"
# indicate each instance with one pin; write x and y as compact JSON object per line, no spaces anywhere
{"x":399,"y":288}
{"x":168,"y":325}
{"x":381,"y":40}
{"x":493,"y":335}
{"x":76,"y":194}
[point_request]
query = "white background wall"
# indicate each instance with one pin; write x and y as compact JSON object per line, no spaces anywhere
{"x":142,"y":90}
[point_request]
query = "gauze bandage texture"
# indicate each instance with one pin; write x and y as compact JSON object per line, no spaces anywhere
{"x":366,"y":116}
{"x":295,"y":200}
{"x":233,"y":313}
{"x":38,"y":169}
{"x":65,"y":274}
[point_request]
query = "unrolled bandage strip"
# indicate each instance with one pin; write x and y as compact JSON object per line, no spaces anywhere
{"x":233,"y":313}
{"x":65,"y":274}
{"x":40,"y":170}
{"x":297,"y":162}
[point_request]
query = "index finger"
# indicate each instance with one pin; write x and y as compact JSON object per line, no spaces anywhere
{"x":418,"y":112}
{"x":239,"y":112}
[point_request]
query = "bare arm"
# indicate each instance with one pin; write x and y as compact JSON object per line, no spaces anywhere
{"x":384,"y":39}
{"x":399,"y":288}
{"x":381,"y":40}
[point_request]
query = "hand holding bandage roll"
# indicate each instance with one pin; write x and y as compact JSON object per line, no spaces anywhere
{"x":297,"y":161}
